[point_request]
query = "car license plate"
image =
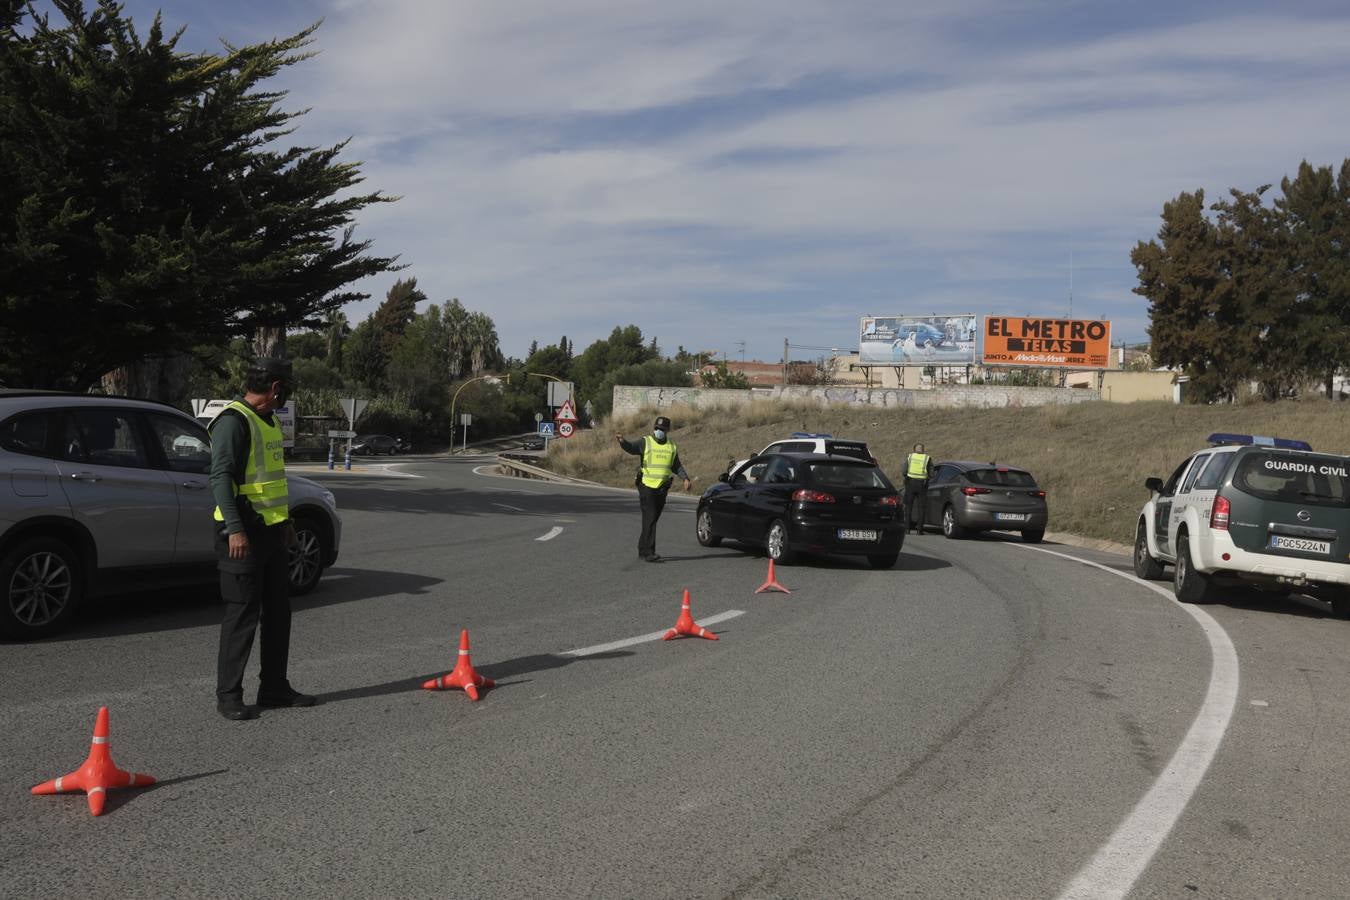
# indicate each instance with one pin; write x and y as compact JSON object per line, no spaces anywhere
{"x":1303,"y":545}
{"x":1011,"y":517}
{"x":857,"y":534}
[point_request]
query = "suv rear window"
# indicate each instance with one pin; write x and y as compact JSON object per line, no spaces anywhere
{"x":847,"y":475}
{"x":1295,"y":478}
{"x":848,"y":448}
{"x":1001,"y":477}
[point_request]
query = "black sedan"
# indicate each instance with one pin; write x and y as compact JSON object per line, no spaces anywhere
{"x":964,"y":497}
{"x":790,"y":503}
{"x":375,"y":444}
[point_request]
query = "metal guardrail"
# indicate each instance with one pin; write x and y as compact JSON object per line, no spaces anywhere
{"x":514,"y":464}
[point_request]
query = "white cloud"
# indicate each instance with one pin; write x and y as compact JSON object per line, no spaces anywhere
{"x":558,"y":169}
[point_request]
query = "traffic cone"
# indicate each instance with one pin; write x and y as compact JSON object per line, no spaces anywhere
{"x":685,"y":624}
{"x":463,"y":676}
{"x":98,"y":773}
{"x":771,"y":584}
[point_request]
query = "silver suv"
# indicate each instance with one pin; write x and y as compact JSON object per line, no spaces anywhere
{"x":95,"y":487}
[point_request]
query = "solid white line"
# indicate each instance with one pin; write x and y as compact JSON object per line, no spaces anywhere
{"x":1119,"y":862}
{"x":508,"y":506}
{"x":552,"y":533}
{"x":654,"y":636}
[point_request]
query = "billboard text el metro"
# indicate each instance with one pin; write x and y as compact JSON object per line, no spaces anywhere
{"x":1066,"y":343}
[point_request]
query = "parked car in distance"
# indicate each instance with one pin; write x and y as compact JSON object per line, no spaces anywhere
{"x":1248,"y":511}
{"x":376,"y":444}
{"x":96,"y":489}
{"x":812,"y":442}
{"x":533,"y":442}
{"x":965,"y":497}
{"x":791,"y":503}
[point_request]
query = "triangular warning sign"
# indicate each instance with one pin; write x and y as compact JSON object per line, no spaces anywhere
{"x":568,"y":413}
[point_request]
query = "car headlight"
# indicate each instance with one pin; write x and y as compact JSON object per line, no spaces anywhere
{"x":329,"y":499}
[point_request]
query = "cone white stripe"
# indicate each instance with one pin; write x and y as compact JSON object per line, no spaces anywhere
{"x":98,"y":790}
{"x":59,"y":782}
{"x":100,"y":740}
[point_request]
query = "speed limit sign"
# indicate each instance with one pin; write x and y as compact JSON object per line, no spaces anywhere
{"x":564,"y":429}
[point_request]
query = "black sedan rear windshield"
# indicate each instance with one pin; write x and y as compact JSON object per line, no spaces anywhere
{"x":1001,"y":477}
{"x":847,"y":475}
{"x":1295,"y":478}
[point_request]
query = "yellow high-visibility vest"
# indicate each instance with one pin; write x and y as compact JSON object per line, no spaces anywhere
{"x":657,"y":462}
{"x":917,"y":466}
{"x":264,"y":483}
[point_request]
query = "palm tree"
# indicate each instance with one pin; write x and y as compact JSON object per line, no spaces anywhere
{"x":455,"y":321}
{"x":484,"y":350}
{"x":336,"y":330}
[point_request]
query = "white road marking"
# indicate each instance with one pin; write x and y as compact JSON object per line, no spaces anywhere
{"x":654,"y":636}
{"x":508,"y":506}
{"x":1119,"y":862}
{"x":552,"y":533}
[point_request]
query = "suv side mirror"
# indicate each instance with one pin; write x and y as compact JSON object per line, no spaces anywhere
{"x":1154,"y":484}
{"x":724,"y":478}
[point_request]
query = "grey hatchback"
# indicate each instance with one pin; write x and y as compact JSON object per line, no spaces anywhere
{"x":980,"y":496}
{"x":93,"y":488}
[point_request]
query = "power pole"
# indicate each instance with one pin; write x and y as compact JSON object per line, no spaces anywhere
{"x":785,"y":361}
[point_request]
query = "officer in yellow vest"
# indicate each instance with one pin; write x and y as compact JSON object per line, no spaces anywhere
{"x":253,"y":537}
{"x":918,"y":466}
{"x":660,"y":465}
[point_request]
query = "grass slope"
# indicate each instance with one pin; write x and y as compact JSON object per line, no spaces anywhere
{"x":1092,"y":458}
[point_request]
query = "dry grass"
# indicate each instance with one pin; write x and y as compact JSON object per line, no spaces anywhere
{"x":1092,"y":458}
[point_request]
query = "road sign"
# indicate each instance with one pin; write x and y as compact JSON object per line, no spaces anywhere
{"x":559,"y":392}
{"x":564,"y":429}
{"x":568,"y":413}
{"x":341,"y":434}
{"x":353,"y":408}
{"x":466,"y":418}
{"x":546,"y":428}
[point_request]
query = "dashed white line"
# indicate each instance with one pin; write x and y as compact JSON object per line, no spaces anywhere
{"x":552,"y":533}
{"x":1119,"y":862}
{"x":509,"y":506}
{"x":654,"y":636}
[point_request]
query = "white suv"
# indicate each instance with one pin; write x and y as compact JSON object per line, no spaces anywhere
{"x":1262,"y":512}
{"x":93,"y":488}
{"x":811,"y":442}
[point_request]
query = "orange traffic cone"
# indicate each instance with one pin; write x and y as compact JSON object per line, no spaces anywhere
{"x":685,"y":624}
{"x":464,"y":675}
{"x":771,"y":584}
{"x":98,"y":773}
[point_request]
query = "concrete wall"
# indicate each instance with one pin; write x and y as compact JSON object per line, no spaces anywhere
{"x":1129,"y":387}
{"x":629,"y":399}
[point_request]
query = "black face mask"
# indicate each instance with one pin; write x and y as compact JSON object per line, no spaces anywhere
{"x":281,"y":394}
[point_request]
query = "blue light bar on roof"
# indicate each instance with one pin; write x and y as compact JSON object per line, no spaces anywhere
{"x":1221,"y":439}
{"x":809,"y":434}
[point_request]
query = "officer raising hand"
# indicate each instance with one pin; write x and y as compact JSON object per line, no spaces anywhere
{"x":660,"y":465}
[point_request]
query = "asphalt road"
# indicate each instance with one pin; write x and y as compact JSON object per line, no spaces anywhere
{"x":984,"y":720}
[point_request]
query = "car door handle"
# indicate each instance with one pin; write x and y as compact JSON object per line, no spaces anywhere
{"x":86,"y":476}
{"x":194,"y":485}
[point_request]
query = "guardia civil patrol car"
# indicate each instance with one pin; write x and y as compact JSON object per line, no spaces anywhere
{"x":1250,"y":511}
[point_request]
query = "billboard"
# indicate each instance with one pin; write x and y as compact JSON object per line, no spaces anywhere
{"x":1050,"y":343}
{"x":918,"y":340}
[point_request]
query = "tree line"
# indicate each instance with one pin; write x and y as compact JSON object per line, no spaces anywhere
{"x":1253,"y":290}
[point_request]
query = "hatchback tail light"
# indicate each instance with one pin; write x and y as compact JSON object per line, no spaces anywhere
{"x":805,"y":495}
{"x":972,"y":491}
{"x":1218,"y":513}
{"x":1040,"y":494}
{"x":890,"y":500}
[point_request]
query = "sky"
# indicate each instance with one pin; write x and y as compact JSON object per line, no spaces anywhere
{"x":728,"y":176}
